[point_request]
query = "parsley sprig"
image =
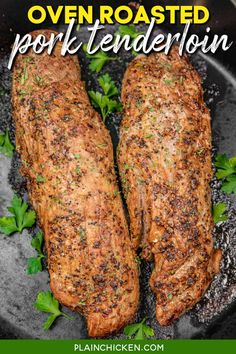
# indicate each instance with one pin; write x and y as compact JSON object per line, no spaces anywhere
{"x":226,"y":171}
{"x":34,"y":264}
{"x":105,"y":104}
{"x":219,"y":212}
{"x":6,"y":146}
{"x":102,"y":102}
{"x":108,"y":85}
{"x":139,"y":330}
{"x":46,"y":302}
{"x":97,"y":60}
{"x":131,"y":31}
{"x":21,"y":217}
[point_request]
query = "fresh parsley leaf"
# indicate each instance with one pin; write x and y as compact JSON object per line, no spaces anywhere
{"x":219,"y":212}
{"x":139,"y":330}
{"x":128,"y":167}
{"x":49,"y":321}
{"x":21,"y":219}
{"x":229,"y":185}
{"x":131,"y":330}
{"x":226,"y":170}
{"x":37,"y":242}
{"x":6,"y":146}
{"x":108,"y":85}
{"x":97,"y":60}
{"x":46,"y":302}
{"x":34,"y":264}
{"x":8,"y":225}
{"x":28,"y":220}
{"x":225,"y":166}
{"x":104,"y":103}
{"x":129,"y":30}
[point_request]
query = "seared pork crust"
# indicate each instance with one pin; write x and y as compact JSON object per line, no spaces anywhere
{"x":66,"y":153}
{"x":164,"y":159}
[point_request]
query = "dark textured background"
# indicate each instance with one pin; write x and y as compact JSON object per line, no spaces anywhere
{"x":214,"y":316}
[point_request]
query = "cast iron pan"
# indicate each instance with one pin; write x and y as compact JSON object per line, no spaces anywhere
{"x":214,"y":316}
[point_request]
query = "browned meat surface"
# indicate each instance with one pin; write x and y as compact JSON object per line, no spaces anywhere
{"x":165,"y":165}
{"x":66,"y":153}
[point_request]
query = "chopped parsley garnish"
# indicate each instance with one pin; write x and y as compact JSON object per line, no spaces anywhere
{"x":139,"y":330}
{"x":149,"y":136}
{"x":81,"y":303}
{"x":82,"y":233}
{"x":219,"y":212}
{"x":139,"y":103}
{"x":169,"y":81}
{"x":181,"y":80}
{"x":116,"y":192}
{"x":127,"y":167}
{"x":24,"y":76}
{"x":6,"y":146}
{"x":21,"y":219}
{"x":167,"y":66}
{"x":40,"y":179}
{"x":78,"y":171}
{"x":34,"y":264}
{"x":38,"y":80}
{"x":46,"y":302}
{"x":226,"y":171}
{"x":97,"y":60}
{"x":102,"y":146}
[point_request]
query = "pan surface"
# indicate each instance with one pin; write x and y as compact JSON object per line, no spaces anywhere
{"x":210,"y":317}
